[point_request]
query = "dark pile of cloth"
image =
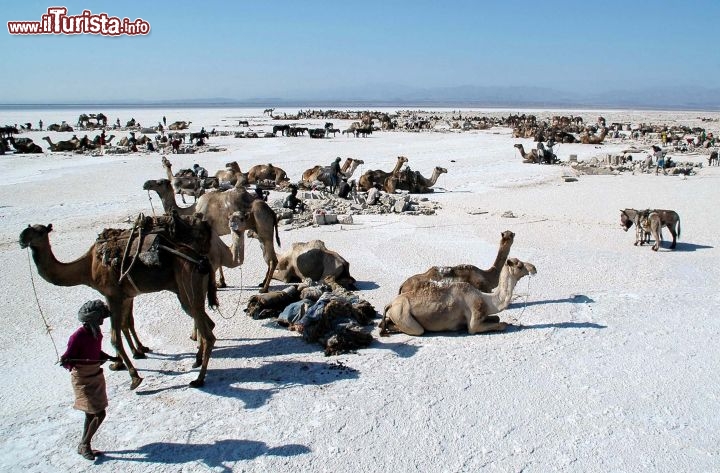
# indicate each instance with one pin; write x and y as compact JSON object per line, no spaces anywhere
{"x":336,"y":319}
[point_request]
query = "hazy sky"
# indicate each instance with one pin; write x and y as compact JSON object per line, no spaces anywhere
{"x":278,"y":48}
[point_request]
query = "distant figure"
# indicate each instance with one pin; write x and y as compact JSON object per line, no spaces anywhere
{"x":176,"y":145}
{"x":150,"y":146}
{"x":40,"y":124}
{"x":292,"y":202}
{"x":83,"y":359}
{"x":659,"y":159}
{"x":261,"y":194}
{"x":344,"y":189}
{"x":102,"y":142}
{"x":164,"y":120}
{"x":373,"y":195}
{"x":200,"y":171}
{"x":663,"y":137}
{"x":132,"y":140}
{"x":540,"y":152}
{"x":117,"y":123}
{"x":334,"y":174}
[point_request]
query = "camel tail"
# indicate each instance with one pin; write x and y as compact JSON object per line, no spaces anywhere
{"x":212,"y":292}
{"x":277,"y":234}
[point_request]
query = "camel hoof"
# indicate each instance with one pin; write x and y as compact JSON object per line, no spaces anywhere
{"x":197,"y":364}
{"x":139,"y":355}
{"x":145,"y":350}
{"x":135,"y":383}
{"x":198,"y":383}
{"x":193,"y":338}
{"x":117,"y":366}
{"x":221,"y":285}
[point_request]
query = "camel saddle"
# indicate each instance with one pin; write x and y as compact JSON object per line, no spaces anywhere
{"x":148,"y":235}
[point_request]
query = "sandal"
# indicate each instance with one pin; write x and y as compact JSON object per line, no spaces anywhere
{"x":86,"y":452}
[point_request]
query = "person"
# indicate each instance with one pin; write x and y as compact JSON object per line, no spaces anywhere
{"x":663,"y":137}
{"x":261,"y":194}
{"x":199,"y":171}
{"x":102,"y":141}
{"x":292,"y":202}
{"x":84,"y":141}
{"x":540,"y":152}
{"x":164,"y":120}
{"x":551,"y":158}
{"x":150,"y":146}
{"x":117,"y":123}
{"x":132,"y":140}
{"x":344,"y":189}
{"x":334,"y":174}
{"x":373,"y":194}
{"x":659,"y":159}
{"x":83,"y":359}
{"x":40,"y":124}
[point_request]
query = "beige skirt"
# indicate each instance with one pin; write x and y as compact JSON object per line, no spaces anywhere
{"x":88,"y":383}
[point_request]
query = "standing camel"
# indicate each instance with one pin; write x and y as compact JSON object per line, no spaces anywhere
{"x":217,"y":207}
{"x":182,"y":271}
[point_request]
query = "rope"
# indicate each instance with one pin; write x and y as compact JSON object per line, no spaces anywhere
{"x":237,"y":306}
{"x":151,"y":203}
{"x":48,"y":329}
{"x":527,"y":295}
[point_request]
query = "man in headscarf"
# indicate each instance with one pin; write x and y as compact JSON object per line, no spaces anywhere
{"x":83,"y":358}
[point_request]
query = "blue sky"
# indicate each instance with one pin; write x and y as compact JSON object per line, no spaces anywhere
{"x":240,"y":49}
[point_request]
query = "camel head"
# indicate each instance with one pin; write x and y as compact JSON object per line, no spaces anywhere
{"x":233,"y":166}
{"x":238,"y":222}
{"x":358,"y":161}
{"x":158,"y":185}
{"x":34,"y":234}
{"x":403,"y":159}
{"x":507,"y":238}
{"x":518,"y":146}
{"x":440,"y":170}
{"x":518,"y":268}
{"x":166,"y":162}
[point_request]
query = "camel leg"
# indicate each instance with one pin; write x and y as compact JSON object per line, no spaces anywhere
{"x":137,"y":348}
{"x":674,"y":236}
{"x":399,"y":313}
{"x":193,"y":302}
{"x":221,"y":280}
{"x":271,"y":260}
{"x":118,"y":309}
{"x":480,"y":322}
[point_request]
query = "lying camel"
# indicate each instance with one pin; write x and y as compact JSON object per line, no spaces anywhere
{"x":413,"y":181}
{"x":69,"y":145}
{"x":263,"y":172}
{"x":314,"y":261}
{"x":451,"y":306}
{"x":232,"y":174}
{"x":323,"y":173}
{"x":378,"y":176}
{"x":483,"y":280}
{"x":588,"y":139}
{"x":529,"y":158}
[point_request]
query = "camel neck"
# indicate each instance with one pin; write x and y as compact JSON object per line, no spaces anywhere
{"x":502,"y":294}
{"x":55,"y":272}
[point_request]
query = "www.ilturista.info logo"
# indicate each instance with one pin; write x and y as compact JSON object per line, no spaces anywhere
{"x":57,"y":21}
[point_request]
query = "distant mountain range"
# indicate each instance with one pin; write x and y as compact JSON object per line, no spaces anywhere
{"x":389,"y":95}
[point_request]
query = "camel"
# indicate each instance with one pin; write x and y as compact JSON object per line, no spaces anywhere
{"x":322,"y":173}
{"x":312,"y":260}
{"x":246,"y":220}
{"x":370,"y":177}
{"x":25,"y":146}
{"x":183,"y":185}
{"x":69,"y":145}
{"x":180,"y":125}
{"x":530,"y":157}
{"x":451,"y":306}
{"x":232,"y":174}
{"x":588,"y":139}
{"x":182,"y":271}
{"x":484,"y":280}
{"x":217,"y":208}
{"x":263,"y":172}
{"x":413,"y":181}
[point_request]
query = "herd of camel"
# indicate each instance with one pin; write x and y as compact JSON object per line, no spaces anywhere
{"x":192,"y":252}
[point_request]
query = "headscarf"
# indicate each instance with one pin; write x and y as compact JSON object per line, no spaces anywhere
{"x":92,"y":313}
